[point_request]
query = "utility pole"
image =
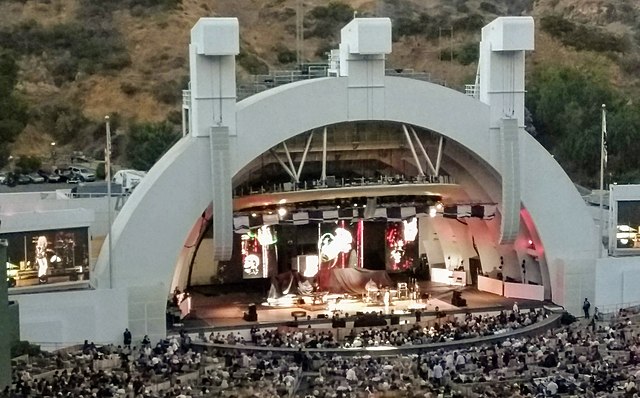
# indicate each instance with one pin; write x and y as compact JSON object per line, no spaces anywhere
{"x":107,"y":169}
{"x":299,"y":32}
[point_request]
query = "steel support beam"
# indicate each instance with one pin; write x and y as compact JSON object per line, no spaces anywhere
{"x":413,"y":150}
{"x":304,"y":156}
{"x":424,"y":152}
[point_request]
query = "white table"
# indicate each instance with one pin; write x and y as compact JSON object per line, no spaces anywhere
{"x":443,"y":275}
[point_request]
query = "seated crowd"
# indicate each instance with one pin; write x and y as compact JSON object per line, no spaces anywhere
{"x":582,"y":359}
{"x":453,"y":329}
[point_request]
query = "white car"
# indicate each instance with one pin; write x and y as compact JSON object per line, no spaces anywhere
{"x":3,"y":178}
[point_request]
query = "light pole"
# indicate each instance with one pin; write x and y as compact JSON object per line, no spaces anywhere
{"x":53,"y":154}
{"x":603,"y":166}
{"x":107,"y":170}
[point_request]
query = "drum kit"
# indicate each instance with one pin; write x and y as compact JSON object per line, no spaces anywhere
{"x":64,"y":251}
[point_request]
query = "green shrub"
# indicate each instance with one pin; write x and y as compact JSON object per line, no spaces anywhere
{"x":326,"y":21}
{"x":251,"y":63}
{"x":147,"y":142}
{"x":168,"y":93}
{"x":25,"y":348}
{"x":467,"y":54}
{"x":13,"y":110}
{"x":128,"y":88}
{"x":583,"y":37}
{"x":489,"y":7}
{"x":28,"y":164}
{"x":70,"y":47}
{"x":468,"y":23}
{"x":285,"y":56}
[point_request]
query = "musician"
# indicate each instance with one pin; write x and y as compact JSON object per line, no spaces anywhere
{"x":372,"y":290}
{"x":386,"y":298}
{"x":41,"y":258}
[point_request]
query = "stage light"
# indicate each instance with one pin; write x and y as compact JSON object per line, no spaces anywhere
{"x":282,"y":211}
{"x":312,"y":264}
{"x":410,"y":229}
{"x":432,"y":211}
{"x":265,"y":236}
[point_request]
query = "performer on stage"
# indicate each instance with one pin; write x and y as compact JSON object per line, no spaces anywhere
{"x":41,"y":258}
{"x":386,"y":299}
{"x":372,"y":290}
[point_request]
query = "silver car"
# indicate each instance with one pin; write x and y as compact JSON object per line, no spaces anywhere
{"x":83,"y":173}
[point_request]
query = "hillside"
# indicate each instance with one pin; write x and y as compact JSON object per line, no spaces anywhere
{"x":80,"y":60}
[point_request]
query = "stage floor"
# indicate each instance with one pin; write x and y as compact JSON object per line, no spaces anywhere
{"x":213,"y":311}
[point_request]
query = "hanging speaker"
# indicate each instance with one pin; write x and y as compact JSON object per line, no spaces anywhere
{"x":370,"y":210}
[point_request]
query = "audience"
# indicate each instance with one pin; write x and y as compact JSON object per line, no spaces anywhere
{"x":586,"y":359}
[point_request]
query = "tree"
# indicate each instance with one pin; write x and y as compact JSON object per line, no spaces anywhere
{"x":566,"y":106}
{"x":13,"y":111}
{"x":148,"y":142}
{"x":28,"y":164}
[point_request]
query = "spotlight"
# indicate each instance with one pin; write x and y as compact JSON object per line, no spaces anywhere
{"x":282,"y":211}
{"x":254,"y":215}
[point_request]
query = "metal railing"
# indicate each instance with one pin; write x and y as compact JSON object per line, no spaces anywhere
{"x":340,"y":183}
{"x":472,"y":90}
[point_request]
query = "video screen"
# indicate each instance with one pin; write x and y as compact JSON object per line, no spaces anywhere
{"x":400,"y":245}
{"x":258,"y":252}
{"x":628,"y":224}
{"x":47,"y":257}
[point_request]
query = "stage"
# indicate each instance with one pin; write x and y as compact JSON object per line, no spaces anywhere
{"x":211,"y":310}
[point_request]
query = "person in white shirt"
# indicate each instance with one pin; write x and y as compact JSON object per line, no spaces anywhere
{"x":437,"y":373}
{"x":552,"y":388}
{"x":351,"y":375}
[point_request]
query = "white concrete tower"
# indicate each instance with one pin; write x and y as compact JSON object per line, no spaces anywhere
{"x":502,"y":64}
{"x":214,"y":44}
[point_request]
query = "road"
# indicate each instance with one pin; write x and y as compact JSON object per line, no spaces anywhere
{"x":46,"y":187}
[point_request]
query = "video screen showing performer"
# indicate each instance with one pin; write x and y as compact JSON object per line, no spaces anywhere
{"x":47,"y":257}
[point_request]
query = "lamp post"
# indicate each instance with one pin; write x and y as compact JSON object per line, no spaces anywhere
{"x":53,"y":154}
{"x":107,"y":169}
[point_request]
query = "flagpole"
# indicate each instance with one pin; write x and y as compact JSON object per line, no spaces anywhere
{"x":603,"y":156}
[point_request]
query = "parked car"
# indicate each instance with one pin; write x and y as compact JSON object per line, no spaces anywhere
{"x":49,"y":177}
{"x":23,"y":179}
{"x":83,"y":173}
{"x":35,"y":178}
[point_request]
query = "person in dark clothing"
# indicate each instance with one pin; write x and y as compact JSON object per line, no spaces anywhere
{"x":585,"y":307}
{"x":127,"y":338}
